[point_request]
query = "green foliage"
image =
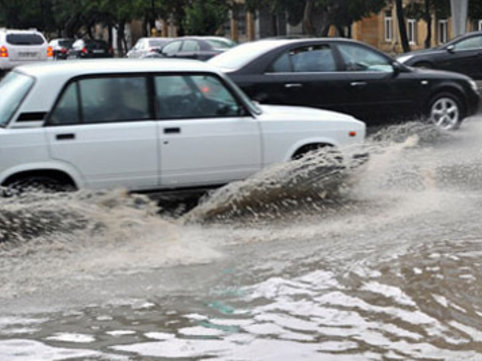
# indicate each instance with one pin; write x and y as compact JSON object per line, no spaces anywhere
{"x":205,"y":17}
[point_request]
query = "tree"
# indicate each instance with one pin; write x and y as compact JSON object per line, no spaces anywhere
{"x":401,"y":26}
{"x":205,"y":17}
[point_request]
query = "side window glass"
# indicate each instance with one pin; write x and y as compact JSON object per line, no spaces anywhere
{"x":281,"y":65}
{"x":172,"y":47}
{"x":190,"y":45}
{"x":67,"y":109}
{"x":194,"y":96}
{"x":313,"y":58}
{"x":114,"y":99}
{"x":359,"y":58}
{"x":470,"y":43}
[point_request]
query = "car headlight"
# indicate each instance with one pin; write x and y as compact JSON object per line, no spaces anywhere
{"x":404,"y":58}
{"x":473,"y":85}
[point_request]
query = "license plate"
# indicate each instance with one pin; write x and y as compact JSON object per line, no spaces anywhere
{"x":97,"y":51}
{"x":27,"y":54}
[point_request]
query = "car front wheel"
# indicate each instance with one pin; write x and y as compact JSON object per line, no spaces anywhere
{"x":446,"y":111}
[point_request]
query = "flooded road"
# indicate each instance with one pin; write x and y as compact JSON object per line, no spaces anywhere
{"x":381,"y":261}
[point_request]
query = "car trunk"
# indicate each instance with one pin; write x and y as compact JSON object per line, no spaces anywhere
{"x":25,"y":47}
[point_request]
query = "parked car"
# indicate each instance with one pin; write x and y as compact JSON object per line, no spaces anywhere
{"x":145,"y":46}
{"x":196,"y":47}
{"x":61,"y":47}
{"x":22,"y":46}
{"x":88,"y":48}
{"x":350,"y":77}
{"x":462,"y":54}
{"x":147,"y":125}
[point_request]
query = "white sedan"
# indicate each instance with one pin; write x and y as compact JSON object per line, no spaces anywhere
{"x":147,"y":125}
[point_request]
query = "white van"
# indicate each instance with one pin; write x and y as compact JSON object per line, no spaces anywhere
{"x":19,"y":47}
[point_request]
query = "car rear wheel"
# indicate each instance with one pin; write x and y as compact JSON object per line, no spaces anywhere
{"x":446,"y":111}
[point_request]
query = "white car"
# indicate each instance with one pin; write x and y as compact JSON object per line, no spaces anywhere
{"x":147,"y":125}
{"x":19,"y":47}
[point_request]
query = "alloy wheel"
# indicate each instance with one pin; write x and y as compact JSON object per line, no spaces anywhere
{"x":445,"y":113}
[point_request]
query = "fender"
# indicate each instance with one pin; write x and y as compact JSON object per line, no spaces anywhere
{"x":306,"y":141}
{"x":50,"y":165}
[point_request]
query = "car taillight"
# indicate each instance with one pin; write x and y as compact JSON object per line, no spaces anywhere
{"x":84,"y":50}
{"x":352,"y":133}
{"x":3,"y":52}
{"x":63,"y":50}
{"x":50,"y":52}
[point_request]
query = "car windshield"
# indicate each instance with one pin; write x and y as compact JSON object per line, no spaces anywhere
{"x":14,"y":87}
{"x":66,"y":43}
{"x":241,"y":55}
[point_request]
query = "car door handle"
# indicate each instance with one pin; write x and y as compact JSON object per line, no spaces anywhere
{"x":293,"y":85}
{"x":358,"y":83}
{"x":65,"y":136}
{"x":172,"y":130}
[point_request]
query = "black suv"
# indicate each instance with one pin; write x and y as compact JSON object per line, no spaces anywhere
{"x":350,"y":77}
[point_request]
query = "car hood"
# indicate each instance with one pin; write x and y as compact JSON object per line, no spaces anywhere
{"x":420,"y":53}
{"x":295,"y":113}
{"x":437,"y":74}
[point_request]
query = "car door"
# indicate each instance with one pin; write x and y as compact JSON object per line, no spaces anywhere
{"x":373,"y":90}
{"x":206,"y":135}
{"x":302,"y":75}
{"x":465,"y":57}
{"x":103,"y":127}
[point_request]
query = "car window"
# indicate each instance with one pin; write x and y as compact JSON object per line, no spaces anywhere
{"x":114,"y":99}
{"x":67,"y":109}
{"x":172,"y":47}
{"x":25,"y":39}
{"x":474,"y":42}
{"x":359,"y":58}
{"x":313,"y":58}
{"x":220,"y":44}
{"x":190,"y":45}
{"x":194,"y":96}
{"x":14,"y":87}
{"x":281,"y":65}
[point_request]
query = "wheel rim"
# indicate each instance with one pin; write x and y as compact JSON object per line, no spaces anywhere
{"x":445,"y":113}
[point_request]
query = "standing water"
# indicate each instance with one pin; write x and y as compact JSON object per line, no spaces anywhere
{"x":374,"y":261}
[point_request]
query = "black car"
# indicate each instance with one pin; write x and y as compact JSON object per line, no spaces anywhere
{"x":350,"y":77}
{"x":61,"y":47}
{"x":196,"y":47}
{"x":462,"y":54}
{"x":88,"y":48}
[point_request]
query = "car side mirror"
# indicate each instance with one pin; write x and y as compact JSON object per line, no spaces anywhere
{"x":397,"y":68}
{"x":450,"y":48}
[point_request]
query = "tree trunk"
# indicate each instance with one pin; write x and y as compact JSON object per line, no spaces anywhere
{"x":307,"y":23}
{"x":401,"y":26}
{"x":428,"y":20}
{"x":121,"y":34}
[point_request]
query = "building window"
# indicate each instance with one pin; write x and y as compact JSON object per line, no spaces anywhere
{"x":388,"y":26}
{"x":412,"y":31}
{"x":442,"y":31}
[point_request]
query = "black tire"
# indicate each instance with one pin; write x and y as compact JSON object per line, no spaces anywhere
{"x":38,"y":183}
{"x":446,"y":111}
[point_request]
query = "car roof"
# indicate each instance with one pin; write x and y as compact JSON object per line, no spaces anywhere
{"x":73,"y":68}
